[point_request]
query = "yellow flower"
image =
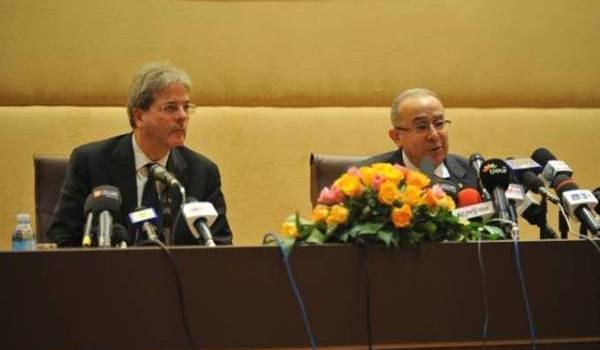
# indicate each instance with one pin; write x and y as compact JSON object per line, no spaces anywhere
{"x":320,"y":213}
{"x":447,"y":203}
{"x":411,"y":195}
{"x":388,"y":193}
{"x":366,"y":175}
{"x":415,"y":178}
{"x":401,"y":216}
{"x":350,"y":185}
{"x":381,"y":167}
{"x":393,"y":174}
{"x":289,"y":229}
{"x":338,"y":215}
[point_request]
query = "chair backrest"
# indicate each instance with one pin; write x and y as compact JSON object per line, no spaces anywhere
{"x":49,"y":174}
{"x":325,"y":168}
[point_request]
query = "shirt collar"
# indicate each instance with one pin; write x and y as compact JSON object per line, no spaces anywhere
{"x":141,"y":159}
{"x":441,"y":171}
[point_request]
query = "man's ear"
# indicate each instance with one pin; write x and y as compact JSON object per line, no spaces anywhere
{"x":137,"y":117}
{"x":395,"y":137}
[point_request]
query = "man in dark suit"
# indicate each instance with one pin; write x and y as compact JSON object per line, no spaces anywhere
{"x":158,"y":110}
{"x":420,"y":130}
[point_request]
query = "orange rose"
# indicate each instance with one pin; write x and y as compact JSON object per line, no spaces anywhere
{"x":411,"y":195}
{"x":401,"y":216}
{"x":416,"y":178}
{"x":350,"y":185}
{"x":388,"y":193}
{"x":337,"y":215}
{"x":320,"y":213}
{"x":437,"y":198}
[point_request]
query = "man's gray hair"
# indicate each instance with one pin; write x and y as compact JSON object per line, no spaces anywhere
{"x":414,"y":93}
{"x":150,"y":79}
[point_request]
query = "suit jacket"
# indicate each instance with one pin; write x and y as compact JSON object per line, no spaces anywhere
{"x":461,"y":173}
{"x":111,"y":162}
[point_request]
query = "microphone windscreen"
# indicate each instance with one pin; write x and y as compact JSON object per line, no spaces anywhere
{"x":87,"y":206}
{"x":468,"y":196}
{"x":120,"y":234}
{"x":542,"y":156}
{"x":105,"y":197}
{"x":494,"y":173}
{"x":531,"y":181}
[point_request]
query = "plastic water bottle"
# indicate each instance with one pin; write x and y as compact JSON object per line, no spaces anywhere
{"x":23,"y":237}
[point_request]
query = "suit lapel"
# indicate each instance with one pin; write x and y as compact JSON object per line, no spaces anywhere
{"x":177,"y":165}
{"x":122,"y":174}
{"x":456,"y":170}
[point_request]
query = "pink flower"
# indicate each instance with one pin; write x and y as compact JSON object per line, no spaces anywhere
{"x":354,"y":171}
{"x":330,"y":196}
{"x":376,"y":181}
{"x":437,"y":191}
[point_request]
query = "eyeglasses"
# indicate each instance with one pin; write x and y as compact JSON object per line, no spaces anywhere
{"x":425,"y":127}
{"x":173,"y":108}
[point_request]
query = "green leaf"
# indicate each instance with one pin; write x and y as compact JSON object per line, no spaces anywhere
{"x":368,"y":228}
{"x":386,"y":237}
{"x":493,"y":230}
{"x":316,"y":237}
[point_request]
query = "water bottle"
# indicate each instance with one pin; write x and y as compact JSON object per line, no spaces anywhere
{"x":23,"y":237}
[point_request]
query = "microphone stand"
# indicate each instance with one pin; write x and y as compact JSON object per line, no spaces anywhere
{"x":165,"y":213}
{"x":563,"y":226}
{"x":546,"y":232}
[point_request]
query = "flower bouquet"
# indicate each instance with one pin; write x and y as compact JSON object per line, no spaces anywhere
{"x":383,"y":204}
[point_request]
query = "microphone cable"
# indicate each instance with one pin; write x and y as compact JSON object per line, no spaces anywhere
{"x":178,"y":284}
{"x":285,"y":255}
{"x":524,"y":293}
{"x":486,"y":316}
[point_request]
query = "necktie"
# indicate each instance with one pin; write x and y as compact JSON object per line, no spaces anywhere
{"x":149,"y":194}
{"x":150,"y":199}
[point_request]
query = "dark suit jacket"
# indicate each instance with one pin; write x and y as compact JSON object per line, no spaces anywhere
{"x":111,"y":162}
{"x":461,"y":173}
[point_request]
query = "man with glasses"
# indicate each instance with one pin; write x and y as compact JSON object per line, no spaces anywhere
{"x":420,"y":130}
{"x":158,"y":108}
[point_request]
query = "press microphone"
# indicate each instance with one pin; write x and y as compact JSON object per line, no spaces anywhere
{"x":578,"y":202}
{"x":87,"y":230}
{"x":121,"y":236}
{"x":495,"y":178}
{"x":468,"y":196}
{"x":145,"y":219}
{"x":596,"y":193}
{"x":552,"y":166}
{"x":536,"y":185}
{"x":471,"y":207}
{"x":105,"y":200}
{"x":158,"y":172}
{"x":199,"y":216}
{"x":476,"y":160}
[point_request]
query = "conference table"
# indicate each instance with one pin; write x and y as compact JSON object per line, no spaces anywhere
{"x":436,"y":296}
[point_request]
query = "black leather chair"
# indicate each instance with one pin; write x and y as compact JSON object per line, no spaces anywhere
{"x":325,"y":168}
{"x":49,"y":174}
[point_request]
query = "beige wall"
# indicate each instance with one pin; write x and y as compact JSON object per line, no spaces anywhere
{"x":265,"y":65}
